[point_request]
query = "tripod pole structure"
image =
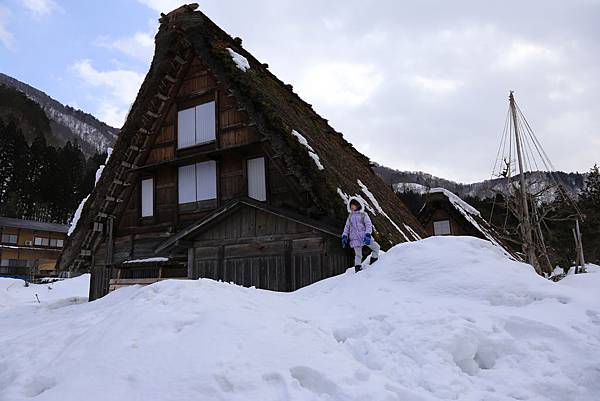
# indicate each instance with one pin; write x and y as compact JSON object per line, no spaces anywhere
{"x":525,"y":223}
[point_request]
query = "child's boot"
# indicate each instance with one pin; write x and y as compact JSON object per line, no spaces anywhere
{"x":357,"y":268}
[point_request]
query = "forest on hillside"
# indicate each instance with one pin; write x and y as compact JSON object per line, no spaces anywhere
{"x":39,"y":181}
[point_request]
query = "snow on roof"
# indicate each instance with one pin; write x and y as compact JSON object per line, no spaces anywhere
{"x":77,"y":214}
{"x":412,"y":232}
{"x":456,"y":201}
{"x":155,"y":259}
{"x":472,"y":215}
{"x":311,"y":151}
{"x":240,"y":61}
{"x":366,"y":191}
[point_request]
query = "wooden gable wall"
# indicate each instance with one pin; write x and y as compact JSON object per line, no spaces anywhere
{"x":237,"y":139}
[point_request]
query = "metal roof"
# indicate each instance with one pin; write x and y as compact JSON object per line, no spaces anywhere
{"x":33,"y":225}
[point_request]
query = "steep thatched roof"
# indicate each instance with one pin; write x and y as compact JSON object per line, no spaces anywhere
{"x":277,"y":112}
{"x":467,"y":216}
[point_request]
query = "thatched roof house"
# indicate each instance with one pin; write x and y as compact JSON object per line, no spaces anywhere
{"x":247,"y":122}
{"x":445,"y":213}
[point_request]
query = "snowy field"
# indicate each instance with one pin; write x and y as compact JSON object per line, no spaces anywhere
{"x":441,"y":319}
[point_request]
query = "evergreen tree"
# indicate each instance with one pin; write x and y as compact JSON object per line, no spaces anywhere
{"x":589,"y":203}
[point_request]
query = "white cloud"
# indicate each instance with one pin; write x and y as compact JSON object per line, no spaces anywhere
{"x":6,"y":37}
{"x":120,"y":86}
{"x":434,"y":86}
{"x":344,"y":84}
{"x":139,"y":46}
{"x":162,"y":6}
{"x":520,"y":53}
{"x":40,"y":8}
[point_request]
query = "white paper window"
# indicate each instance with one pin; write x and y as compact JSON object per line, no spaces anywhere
{"x":147,"y":197}
{"x":9,"y":238}
{"x":40,"y":241}
{"x":257,"y":183}
{"x":59,"y":243}
{"x":187,"y":184}
{"x":198,"y":182}
{"x":441,"y":227}
{"x":206,"y":180}
{"x":196,"y":125}
{"x":186,"y":128}
{"x":205,"y":122}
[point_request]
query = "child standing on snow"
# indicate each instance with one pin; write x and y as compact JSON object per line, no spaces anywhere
{"x":358,"y":233}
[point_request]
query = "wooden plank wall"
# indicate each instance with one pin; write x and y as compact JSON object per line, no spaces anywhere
{"x":255,"y":248}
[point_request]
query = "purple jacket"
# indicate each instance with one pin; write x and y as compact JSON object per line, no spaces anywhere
{"x":357,"y":225}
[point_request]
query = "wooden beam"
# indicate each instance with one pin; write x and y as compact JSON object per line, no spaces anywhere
{"x":161,"y":96}
{"x":151,"y":114}
{"x":170,"y":78}
{"x":180,"y":60}
{"x":85,"y":252}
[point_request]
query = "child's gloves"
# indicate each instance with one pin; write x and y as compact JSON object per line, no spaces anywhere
{"x":367,"y":240}
{"x":345,"y":242}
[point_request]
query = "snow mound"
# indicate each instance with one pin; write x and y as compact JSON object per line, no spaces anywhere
{"x":445,"y":318}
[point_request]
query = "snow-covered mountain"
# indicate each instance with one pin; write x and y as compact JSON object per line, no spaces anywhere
{"x":420,"y":182}
{"x":67,"y":123}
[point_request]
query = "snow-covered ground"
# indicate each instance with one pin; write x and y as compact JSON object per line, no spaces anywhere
{"x":446,"y":318}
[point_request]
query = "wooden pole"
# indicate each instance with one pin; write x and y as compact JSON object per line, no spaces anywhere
{"x":525,"y":225}
{"x":579,"y":239}
{"x":576,"y":251}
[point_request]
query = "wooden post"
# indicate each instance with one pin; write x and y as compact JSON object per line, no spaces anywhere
{"x":579,"y":239}
{"x":109,"y":241}
{"x":576,"y":251}
{"x":190,"y":263}
{"x":526,"y":229}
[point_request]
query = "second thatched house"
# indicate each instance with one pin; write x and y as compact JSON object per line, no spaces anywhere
{"x":444,"y":213}
{"x":222,"y":171}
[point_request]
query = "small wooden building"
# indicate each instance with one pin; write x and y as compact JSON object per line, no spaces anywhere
{"x":444,"y":213}
{"x":222,"y":171}
{"x":29,"y":249}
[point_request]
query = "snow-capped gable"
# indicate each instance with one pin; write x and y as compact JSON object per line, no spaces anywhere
{"x":456,"y":201}
{"x":472,"y":217}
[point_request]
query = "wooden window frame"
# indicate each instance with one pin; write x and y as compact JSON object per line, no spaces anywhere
{"x":267,"y":175}
{"x":449,"y":227}
{"x":10,"y":242}
{"x":193,"y":101}
{"x":145,"y":220}
{"x":202,"y":205}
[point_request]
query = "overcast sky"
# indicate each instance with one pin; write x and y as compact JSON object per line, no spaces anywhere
{"x":413,"y":85}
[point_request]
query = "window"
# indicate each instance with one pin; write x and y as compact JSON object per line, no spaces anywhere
{"x":9,"y":238}
{"x":39,"y":241}
{"x":441,"y":227}
{"x":147,"y":197}
{"x":198,"y":182}
{"x":56,"y":243}
{"x":257,"y":185}
{"x":196,"y":125}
